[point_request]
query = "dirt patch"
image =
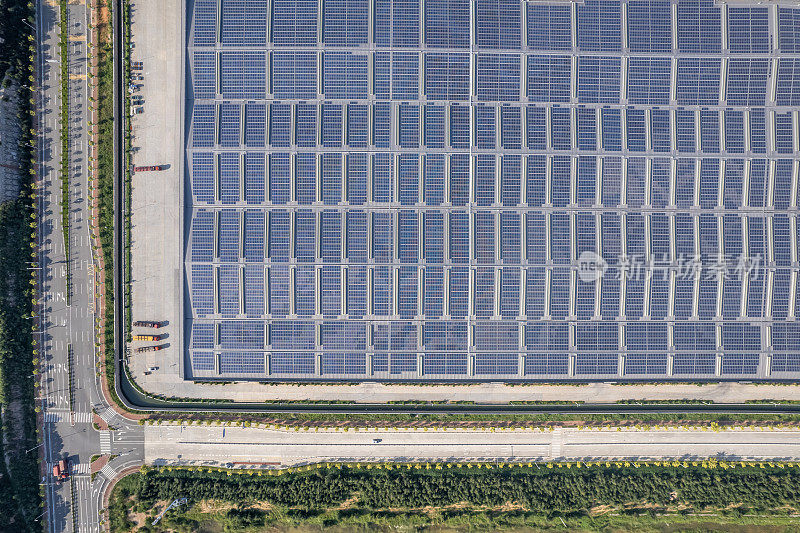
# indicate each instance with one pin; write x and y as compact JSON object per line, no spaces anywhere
{"x":347,"y":504}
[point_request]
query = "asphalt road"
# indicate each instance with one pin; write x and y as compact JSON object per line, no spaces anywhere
{"x":67,"y":324}
{"x":231,"y":445}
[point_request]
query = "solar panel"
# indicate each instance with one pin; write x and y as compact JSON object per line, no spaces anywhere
{"x":203,"y":361}
{"x":243,"y":74}
{"x":344,"y":75}
{"x":243,"y":23}
{"x":649,"y":25}
{"x":748,"y":30}
{"x":446,"y":76}
{"x":294,"y":22}
{"x":649,"y":80}
{"x":204,"y":22}
{"x":204,"y":74}
{"x":384,"y":189}
{"x":552,"y":29}
{"x":239,"y":362}
{"x":203,"y":126}
{"x":202,"y":335}
{"x":599,"y":26}
{"x":447,"y":23}
{"x":699,"y":26}
{"x":498,"y":23}
{"x":294,"y":74}
{"x":291,"y":363}
{"x":498,"y":77}
{"x":549,"y":78}
{"x":698,"y":81}
{"x":747,"y":81}
{"x":599,"y":80}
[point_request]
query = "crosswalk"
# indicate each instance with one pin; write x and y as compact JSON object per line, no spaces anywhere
{"x":82,"y":418}
{"x":108,"y":414}
{"x":80,"y":468}
{"x":105,"y":442}
{"x":108,"y":471}
{"x":53,"y":417}
{"x":556,"y":443}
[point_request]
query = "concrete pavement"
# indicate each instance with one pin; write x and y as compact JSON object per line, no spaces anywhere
{"x":215,"y":445}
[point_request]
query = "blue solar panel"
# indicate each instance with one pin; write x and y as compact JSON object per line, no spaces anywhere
{"x":447,"y":23}
{"x":243,"y":23}
{"x":202,"y":361}
{"x":549,"y":78}
{"x":202,"y":335}
{"x":552,"y":29}
{"x":254,"y":236}
{"x":695,"y":364}
{"x":294,"y":75}
{"x":204,"y":75}
{"x":698,"y":81}
{"x":498,"y":77}
{"x":237,"y":362}
{"x":228,"y":289}
{"x":291,"y":363}
{"x":202,"y":236}
{"x":649,"y":25}
{"x":599,"y":80}
{"x":345,"y":22}
{"x":699,"y":26}
{"x":447,"y":76}
{"x":204,"y":23}
{"x":243,"y":74}
{"x":789,"y":30}
{"x":498,"y":23}
{"x":294,"y":22}
{"x":599,"y":26}
{"x":203,"y":126}
{"x":747,"y":81}
{"x":368,"y":180}
{"x":255,"y":124}
{"x":344,"y":75}
{"x":748,"y":30}
{"x":444,"y":363}
{"x":397,"y":23}
{"x":649,"y":80}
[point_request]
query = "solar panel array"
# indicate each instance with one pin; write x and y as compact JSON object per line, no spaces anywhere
{"x":394,"y":189}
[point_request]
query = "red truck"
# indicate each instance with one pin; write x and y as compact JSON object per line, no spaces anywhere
{"x":149,"y":349}
{"x":61,"y":470}
{"x":150,"y":168}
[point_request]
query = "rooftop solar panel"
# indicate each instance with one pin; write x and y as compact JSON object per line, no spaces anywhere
{"x":395,"y":189}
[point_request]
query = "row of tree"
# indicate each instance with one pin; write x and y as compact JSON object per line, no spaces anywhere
{"x":20,"y":494}
{"x":538,"y":489}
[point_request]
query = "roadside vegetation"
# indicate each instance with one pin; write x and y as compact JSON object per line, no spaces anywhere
{"x":105,"y":178}
{"x":461,"y":496}
{"x":20,"y":494}
{"x":355,"y":421}
{"x":64,"y":172}
{"x":127,"y":189}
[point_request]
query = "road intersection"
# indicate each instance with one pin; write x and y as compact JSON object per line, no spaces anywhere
{"x":73,"y":402}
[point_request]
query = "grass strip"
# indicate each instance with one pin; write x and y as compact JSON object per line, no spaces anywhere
{"x":63,"y":46}
{"x":105,"y":181}
{"x":71,"y":372}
